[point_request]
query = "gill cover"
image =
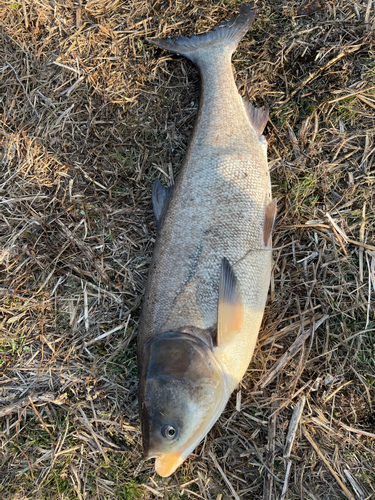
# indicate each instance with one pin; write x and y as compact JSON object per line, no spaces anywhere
{"x":183,"y":390}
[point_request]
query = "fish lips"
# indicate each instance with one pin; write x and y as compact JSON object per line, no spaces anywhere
{"x":166,"y":464}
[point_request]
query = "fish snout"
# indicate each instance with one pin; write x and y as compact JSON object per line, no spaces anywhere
{"x":165,"y":465}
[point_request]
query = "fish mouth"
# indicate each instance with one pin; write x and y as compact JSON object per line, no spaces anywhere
{"x":166,"y":464}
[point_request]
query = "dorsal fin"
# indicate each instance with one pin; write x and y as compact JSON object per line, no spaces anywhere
{"x":160,"y":199}
{"x":269,"y":222}
{"x":257,"y":116}
{"x":230,"y":313}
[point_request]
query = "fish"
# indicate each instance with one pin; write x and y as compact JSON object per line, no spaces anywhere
{"x":210,"y":272}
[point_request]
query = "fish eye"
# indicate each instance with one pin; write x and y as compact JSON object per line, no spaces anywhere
{"x":168,"y":431}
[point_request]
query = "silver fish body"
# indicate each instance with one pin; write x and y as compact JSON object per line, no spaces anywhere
{"x":210,"y":273}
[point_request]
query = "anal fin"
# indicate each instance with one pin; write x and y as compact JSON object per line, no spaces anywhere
{"x":230,"y":314}
{"x":269,"y":222}
{"x":258,"y":116}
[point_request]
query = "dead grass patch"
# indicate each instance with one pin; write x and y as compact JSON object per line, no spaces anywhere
{"x":91,"y":115}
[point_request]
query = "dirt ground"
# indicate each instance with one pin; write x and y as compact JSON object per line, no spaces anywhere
{"x":90,"y":115}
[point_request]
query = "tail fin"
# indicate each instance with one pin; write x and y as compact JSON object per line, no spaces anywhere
{"x":226,"y":35}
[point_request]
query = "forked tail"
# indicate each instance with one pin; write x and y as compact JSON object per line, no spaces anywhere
{"x":225,"y":36}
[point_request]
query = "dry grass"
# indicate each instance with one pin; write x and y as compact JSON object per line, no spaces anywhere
{"x":91,"y":115}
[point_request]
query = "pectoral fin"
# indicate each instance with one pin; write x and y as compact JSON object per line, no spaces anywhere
{"x":269,"y":222}
{"x":230,"y":308}
{"x":160,"y":199}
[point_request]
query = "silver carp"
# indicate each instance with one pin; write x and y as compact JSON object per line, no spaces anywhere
{"x":210,"y":273}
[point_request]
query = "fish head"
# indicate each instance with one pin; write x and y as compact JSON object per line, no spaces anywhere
{"x":183,"y":390}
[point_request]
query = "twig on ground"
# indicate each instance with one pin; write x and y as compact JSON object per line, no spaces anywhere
{"x":268,"y":477}
{"x":294,"y":421}
{"x":291,"y":352}
{"x":93,"y":433}
{"x":285,"y":485}
{"x":332,"y":471}
{"x":313,"y":75}
{"x":224,"y":476}
{"x":124,"y":325}
{"x":85,"y":249}
{"x":23,"y":88}
{"x":354,"y":485}
{"x":35,"y":399}
{"x":357,"y":431}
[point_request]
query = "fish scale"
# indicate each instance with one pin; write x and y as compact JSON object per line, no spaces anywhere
{"x":209,"y":277}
